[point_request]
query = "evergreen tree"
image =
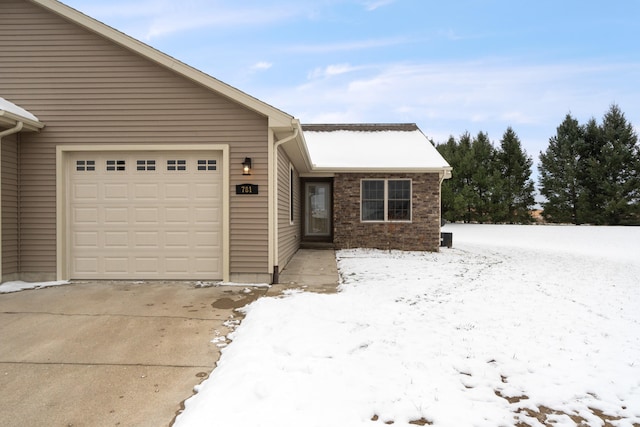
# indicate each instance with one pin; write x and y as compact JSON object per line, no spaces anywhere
{"x":484,"y":177}
{"x":450,"y":192}
{"x":457,"y":194}
{"x":620,"y":161}
{"x":590,"y":175}
{"x":559,"y":182}
{"x":515,"y":191}
{"x":610,"y":171}
{"x":466,"y":167}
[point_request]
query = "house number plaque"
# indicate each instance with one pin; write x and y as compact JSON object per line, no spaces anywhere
{"x":247,"y":189}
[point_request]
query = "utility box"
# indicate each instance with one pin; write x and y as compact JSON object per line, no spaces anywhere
{"x":446,"y":239}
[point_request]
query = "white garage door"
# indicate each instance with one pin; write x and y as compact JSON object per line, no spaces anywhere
{"x":145,"y":215}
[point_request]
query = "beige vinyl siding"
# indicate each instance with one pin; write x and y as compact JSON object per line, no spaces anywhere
{"x":9,"y":206}
{"x":88,"y":90}
{"x":249,"y":214}
{"x":288,"y":233}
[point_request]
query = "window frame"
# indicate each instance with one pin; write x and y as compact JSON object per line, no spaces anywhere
{"x":386,"y":200}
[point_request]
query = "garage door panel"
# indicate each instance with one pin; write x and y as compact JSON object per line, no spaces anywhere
{"x":137,"y":218}
{"x":146,"y":239}
{"x":146,"y":265}
{"x":207,"y":215}
{"x":203,"y":265}
{"x":85,"y":215}
{"x":177,"y":239}
{"x":115,"y":216}
{"x":207,"y":239}
{"x":116,"y":239}
{"x":116,"y":191}
{"x":85,"y":193}
{"x":146,"y":191}
{"x":207,"y":191}
{"x":177,"y":192}
{"x":146,"y":216}
{"x":178,"y":215}
{"x":85,"y":264}
{"x":85,"y":239}
{"x":177,"y":265}
{"x":116,"y":264}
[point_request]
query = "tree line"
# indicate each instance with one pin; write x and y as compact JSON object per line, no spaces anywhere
{"x":589,"y":174}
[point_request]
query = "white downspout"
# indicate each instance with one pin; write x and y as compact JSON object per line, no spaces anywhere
{"x":276,"y":254}
{"x":17,"y":128}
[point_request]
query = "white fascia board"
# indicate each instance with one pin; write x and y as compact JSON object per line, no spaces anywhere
{"x":380,"y":170}
{"x":11,"y":119}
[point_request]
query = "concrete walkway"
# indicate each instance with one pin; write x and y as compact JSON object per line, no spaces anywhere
{"x":123,"y":354}
{"x":312,"y":270}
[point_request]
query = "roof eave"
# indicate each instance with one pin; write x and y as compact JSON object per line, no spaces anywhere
{"x":9,"y":119}
{"x":382,"y":170}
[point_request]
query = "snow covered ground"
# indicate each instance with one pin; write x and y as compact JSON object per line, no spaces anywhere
{"x":8,"y":287}
{"x":513,"y":323}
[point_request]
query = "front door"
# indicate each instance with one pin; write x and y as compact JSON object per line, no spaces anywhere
{"x":317,"y":204}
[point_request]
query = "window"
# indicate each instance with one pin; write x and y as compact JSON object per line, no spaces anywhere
{"x":85,"y":165}
{"x":386,"y":200}
{"x":207,"y":165}
{"x":115,"y":165}
{"x":176,"y":165}
{"x":146,"y":165}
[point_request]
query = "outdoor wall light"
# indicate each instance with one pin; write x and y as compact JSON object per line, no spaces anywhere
{"x":246,"y":166}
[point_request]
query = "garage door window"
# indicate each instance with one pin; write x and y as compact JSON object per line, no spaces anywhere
{"x":207,"y":165}
{"x":85,"y":165}
{"x":176,"y":165}
{"x":115,"y":165}
{"x":146,"y":165}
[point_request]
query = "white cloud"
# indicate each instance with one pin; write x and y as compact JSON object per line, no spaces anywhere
{"x":376,"y":4}
{"x":331,"y":71}
{"x":262,"y":65}
{"x":349,"y":45}
{"x":159,"y":18}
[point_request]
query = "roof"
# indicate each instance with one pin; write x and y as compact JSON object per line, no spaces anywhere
{"x":277,"y":118}
{"x":11,"y":114}
{"x":400,"y":146}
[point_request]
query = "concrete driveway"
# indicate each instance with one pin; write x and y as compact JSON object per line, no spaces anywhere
{"x":109,"y":354}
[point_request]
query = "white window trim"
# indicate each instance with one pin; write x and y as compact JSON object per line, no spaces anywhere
{"x":386,"y":201}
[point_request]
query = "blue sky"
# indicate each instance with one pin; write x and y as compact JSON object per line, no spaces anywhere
{"x":449,"y":66}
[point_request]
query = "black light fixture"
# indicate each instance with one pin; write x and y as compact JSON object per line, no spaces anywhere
{"x":246,"y":166}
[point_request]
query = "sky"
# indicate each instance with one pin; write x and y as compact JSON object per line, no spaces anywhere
{"x":449,"y":66}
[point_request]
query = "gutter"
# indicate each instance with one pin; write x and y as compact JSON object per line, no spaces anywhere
{"x":17,"y":128}
{"x":274,"y":206}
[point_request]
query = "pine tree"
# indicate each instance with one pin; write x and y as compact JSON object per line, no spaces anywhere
{"x":559,"y":182}
{"x":466,"y":167}
{"x":590,"y":175}
{"x":515,"y":199}
{"x":610,"y":171}
{"x":450,"y":191}
{"x":484,"y":177}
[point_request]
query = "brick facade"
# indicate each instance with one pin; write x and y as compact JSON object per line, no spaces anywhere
{"x":422,"y":233}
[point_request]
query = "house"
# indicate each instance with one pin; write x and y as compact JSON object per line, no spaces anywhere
{"x":120,"y":162}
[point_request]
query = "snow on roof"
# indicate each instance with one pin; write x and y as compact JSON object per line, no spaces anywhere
{"x":371,"y":146}
{"x":12,"y":108}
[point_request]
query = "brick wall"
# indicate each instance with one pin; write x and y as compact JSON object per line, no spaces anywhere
{"x":422,"y":233}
